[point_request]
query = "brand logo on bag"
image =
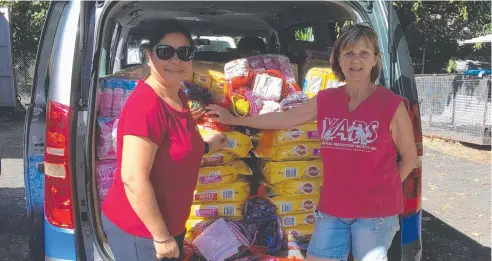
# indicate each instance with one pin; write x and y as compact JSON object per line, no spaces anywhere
{"x":313,"y":171}
{"x":202,"y":78}
{"x":310,"y":219}
{"x":307,"y":188}
{"x":308,"y":205}
{"x":214,"y":160}
{"x":295,"y":133}
{"x":301,"y":150}
{"x":206,"y":196}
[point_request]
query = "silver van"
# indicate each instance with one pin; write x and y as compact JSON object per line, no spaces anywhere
{"x":83,"y":41}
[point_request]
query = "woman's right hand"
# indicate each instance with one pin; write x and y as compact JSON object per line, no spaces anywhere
{"x":219,"y":114}
{"x":168,"y":249}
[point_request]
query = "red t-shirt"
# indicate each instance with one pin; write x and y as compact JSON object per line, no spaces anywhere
{"x":361,"y":176}
{"x":175,"y":169}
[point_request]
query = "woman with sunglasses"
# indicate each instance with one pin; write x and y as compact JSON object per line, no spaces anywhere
{"x":363,"y":126}
{"x":159,"y":155}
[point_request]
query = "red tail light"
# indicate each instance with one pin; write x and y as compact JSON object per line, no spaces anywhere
{"x":58,"y":183}
{"x":412,"y":186}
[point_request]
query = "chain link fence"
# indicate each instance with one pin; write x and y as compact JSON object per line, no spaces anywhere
{"x":24,"y":67}
{"x":456,"y":107}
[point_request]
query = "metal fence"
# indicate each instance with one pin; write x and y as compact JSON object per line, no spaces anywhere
{"x":24,"y":67}
{"x":456,"y":107}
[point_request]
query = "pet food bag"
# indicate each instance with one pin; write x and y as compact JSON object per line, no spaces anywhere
{"x":216,"y":209}
{"x":297,"y":188}
{"x":217,"y":159}
{"x":304,"y":133}
{"x":290,"y":152}
{"x":106,"y":147}
{"x":290,"y":205}
{"x":237,"y":191}
{"x":278,"y":172}
{"x":298,"y":220}
{"x":238,"y":144}
{"x":225,"y":174}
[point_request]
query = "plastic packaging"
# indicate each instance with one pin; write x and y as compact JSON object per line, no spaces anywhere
{"x":289,"y":205}
{"x":217,"y":158}
{"x":216,"y":209}
{"x":297,"y":188}
{"x":105,"y":170}
{"x":223,"y":174}
{"x":289,"y":152}
{"x":106,"y":146}
{"x":235,"y":192}
{"x":278,"y":172}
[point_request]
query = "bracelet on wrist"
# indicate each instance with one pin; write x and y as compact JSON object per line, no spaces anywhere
{"x":163,"y":241}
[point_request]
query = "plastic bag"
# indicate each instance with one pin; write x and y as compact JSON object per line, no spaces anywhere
{"x":217,"y":159}
{"x":294,"y":188}
{"x":106,"y":147}
{"x":225,"y":174}
{"x":289,"y":205}
{"x":237,"y":68}
{"x":105,"y":170}
{"x":278,"y":172}
{"x":289,"y":152}
{"x":105,"y":93}
{"x":293,"y":100}
{"x":216,"y":209}
{"x":235,"y":192}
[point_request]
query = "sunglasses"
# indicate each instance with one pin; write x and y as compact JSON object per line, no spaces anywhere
{"x":166,"y":52}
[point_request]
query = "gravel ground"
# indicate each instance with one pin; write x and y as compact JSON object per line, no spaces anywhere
{"x":456,"y":191}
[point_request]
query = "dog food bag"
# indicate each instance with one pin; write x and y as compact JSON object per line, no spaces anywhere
{"x":290,"y":152}
{"x":217,"y":159}
{"x":237,"y":191}
{"x":225,"y":174}
{"x":296,"y":188}
{"x":303,"y":133}
{"x":278,"y":172}
{"x":238,"y":144}
{"x":293,"y":205}
{"x":216,"y":209}
{"x":298,"y":220}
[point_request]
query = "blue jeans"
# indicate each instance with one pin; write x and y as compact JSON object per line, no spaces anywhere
{"x":369,"y":238}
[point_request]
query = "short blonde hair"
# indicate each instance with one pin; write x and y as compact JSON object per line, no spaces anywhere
{"x":350,"y":36}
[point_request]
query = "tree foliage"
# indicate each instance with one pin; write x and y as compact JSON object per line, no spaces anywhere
{"x":432,"y":29}
{"x":26,"y":21}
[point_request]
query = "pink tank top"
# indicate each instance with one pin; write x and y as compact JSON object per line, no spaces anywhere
{"x":361,"y":176}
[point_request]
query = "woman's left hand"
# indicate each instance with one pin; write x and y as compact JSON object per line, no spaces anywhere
{"x":216,"y":141}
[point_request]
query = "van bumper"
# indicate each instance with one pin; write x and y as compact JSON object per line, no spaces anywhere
{"x":59,"y":243}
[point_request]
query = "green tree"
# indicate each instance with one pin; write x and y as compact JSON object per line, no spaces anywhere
{"x":26,"y":20}
{"x":433,"y":28}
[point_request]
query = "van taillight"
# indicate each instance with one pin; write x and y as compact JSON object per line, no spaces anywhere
{"x":58,"y":183}
{"x":412,"y":186}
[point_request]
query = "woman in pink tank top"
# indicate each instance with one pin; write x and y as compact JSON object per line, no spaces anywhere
{"x":363,"y":126}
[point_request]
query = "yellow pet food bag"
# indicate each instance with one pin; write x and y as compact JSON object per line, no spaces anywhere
{"x":238,"y":144}
{"x":289,"y":206}
{"x":225,"y":174}
{"x":203,"y":72}
{"x":296,"y":151}
{"x":278,"y":172}
{"x":218,"y":87}
{"x":235,"y":192}
{"x":211,"y":210}
{"x":298,"y":220}
{"x":217,"y":158}
{"x":294,"y":188}
{"x":302,"y":133}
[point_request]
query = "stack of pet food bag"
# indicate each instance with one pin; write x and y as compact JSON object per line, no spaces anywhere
{"x":222,"y":185}
{"x":293,"y":170}
{"x":112,"y":94}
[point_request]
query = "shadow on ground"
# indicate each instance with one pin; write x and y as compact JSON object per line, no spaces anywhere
{"x":13,"y":225}
{"x":442,"y":242}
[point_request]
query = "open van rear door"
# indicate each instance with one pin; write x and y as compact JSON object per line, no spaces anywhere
{"x":7,"y":90}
